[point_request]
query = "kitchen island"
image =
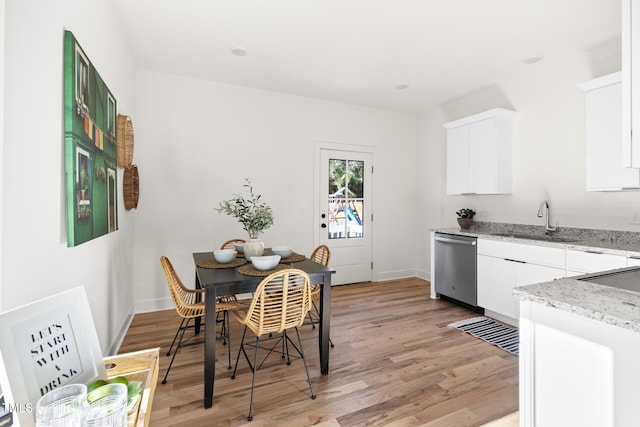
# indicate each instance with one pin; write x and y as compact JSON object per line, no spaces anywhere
{"x":579,"y":352}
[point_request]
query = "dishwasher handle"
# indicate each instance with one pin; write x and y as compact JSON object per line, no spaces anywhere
{"x":456,"y":241}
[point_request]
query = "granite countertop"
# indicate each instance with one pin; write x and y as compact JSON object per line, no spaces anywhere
{"x":607,"y":304}
{"x":610,"y":241}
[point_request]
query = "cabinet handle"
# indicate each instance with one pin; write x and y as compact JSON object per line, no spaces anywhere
{"x":593,"y":252}
{"x":467,"y":194}
{"x":456,"y":241}
{"x":515,"y":260}
{"x":633,"y":257}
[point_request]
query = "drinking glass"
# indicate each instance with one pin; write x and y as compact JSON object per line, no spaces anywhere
{"x":62,"y":407}
{"x":107,"y":406}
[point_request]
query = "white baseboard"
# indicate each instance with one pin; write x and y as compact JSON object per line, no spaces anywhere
{"x":117,"y":342}
{"x":151,"y":305}
{"x":401,"y":274}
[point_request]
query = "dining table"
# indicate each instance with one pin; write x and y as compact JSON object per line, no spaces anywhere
{"x":219,"y":280}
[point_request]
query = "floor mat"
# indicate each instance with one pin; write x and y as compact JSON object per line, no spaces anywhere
{"x":503,"y":336}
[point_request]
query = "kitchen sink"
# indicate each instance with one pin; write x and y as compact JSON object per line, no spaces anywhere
{"x":535,"y":237}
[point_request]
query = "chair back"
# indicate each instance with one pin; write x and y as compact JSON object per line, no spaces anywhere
{"x":231,"y":244}
{"x":321,"y":255}
{"x":281,"y":301}
{"x":184,"y":299}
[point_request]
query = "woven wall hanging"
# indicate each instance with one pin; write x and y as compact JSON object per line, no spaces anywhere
{"x":125,"y":141}
{"x":131,"y":187}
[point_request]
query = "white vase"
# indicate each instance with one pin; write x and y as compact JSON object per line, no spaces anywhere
{"x":253,"y":247}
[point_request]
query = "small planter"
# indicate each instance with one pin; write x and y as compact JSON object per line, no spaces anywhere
{"x":465,"y":223}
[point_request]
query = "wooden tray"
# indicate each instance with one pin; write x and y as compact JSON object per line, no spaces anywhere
{"x":137,"y":366}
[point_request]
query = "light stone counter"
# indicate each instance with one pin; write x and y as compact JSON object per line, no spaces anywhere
{"x":610,"y":241}
{"x":607,"y":304}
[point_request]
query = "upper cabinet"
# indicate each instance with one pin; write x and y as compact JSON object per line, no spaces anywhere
{"x":479,"y":153}
{"x":630,"y":83}
{"x":603,"y":133}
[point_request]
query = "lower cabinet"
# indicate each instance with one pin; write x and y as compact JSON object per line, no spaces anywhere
{"x":502,"y":266}
{"x":576,"y":371}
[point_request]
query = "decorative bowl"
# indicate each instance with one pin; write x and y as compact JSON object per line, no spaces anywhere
{"x":265,"y":262}
{"x":240,"y":248}
{"x":283,"y":251}
{"x":224,"y":256}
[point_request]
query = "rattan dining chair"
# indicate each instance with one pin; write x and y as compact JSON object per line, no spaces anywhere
{"x":231,"y":244}
{"x":281,"y":302}
{"x":189,"y":304}
{"x":321,"y":255}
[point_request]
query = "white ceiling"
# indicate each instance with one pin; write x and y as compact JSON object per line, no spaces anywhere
{"x":355,"y":51}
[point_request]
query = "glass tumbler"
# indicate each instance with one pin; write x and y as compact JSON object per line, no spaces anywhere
{"x":107,"y":406}
{"x":62,"y":407}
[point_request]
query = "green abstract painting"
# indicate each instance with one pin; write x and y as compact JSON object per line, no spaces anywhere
{"x":90,"y":148}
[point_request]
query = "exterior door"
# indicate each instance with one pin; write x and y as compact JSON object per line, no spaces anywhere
{"x":345,"y":213}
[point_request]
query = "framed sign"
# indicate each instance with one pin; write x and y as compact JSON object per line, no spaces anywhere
{"x":44,"y":345}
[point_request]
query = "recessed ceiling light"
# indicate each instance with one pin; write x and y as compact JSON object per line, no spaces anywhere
{"x":238,"y":50}
{"x":532,"y":59}
{"x":401,"y":86}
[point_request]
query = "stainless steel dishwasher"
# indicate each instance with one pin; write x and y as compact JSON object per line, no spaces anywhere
{"x":455,"y":268}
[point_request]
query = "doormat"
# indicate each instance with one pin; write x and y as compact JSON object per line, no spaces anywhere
{"x":503,"y":336}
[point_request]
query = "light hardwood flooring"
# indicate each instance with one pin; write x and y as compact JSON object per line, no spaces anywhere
{"x":395,"y":362}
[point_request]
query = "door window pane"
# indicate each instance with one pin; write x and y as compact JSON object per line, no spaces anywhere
{"x":346,"y":203}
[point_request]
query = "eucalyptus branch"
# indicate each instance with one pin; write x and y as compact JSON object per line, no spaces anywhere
{"x":254,"y":215}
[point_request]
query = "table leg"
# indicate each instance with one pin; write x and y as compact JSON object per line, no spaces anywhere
{"x":209,"y":346}
{"x":325,"y":316}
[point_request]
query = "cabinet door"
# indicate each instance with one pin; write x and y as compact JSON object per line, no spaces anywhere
{"x":458,"y":160}
{"x":528,"y":274}
{"x":496,"y":280}
{"x":630,"y":88}
{"x":482,"y":157}
{"x":603,"y":136}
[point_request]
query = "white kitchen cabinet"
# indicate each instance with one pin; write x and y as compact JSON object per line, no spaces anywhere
{"x":479,"y":153}
{"x":504,"y":265}
{"x":630,"y":83}
{"x":582,"y":262}
{"x":576,"y":371}
{"x":603,"y":136}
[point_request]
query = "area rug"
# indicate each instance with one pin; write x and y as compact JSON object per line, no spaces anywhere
{"x":503,"y":336}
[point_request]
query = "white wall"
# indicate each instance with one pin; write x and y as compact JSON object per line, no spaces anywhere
{"x":548,"y":152}
{"x":196,"y":142}
{"x":35,"y":260}
{"x":2,"y":7}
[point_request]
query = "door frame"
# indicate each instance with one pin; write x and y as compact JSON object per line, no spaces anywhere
{"x":318,"y":146}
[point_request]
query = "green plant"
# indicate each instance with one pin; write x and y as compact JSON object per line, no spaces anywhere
{"x":466,"y":213}
{"x":254,"y":215}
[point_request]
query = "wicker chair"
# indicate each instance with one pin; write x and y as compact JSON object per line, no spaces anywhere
{"x":321,"y":255}
{"x":190,"y":305}
{"x":281,"y":302}
{"x":231,"y":244}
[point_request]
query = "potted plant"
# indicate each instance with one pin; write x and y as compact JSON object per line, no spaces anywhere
{"x":465,"y":218}
{"x":254,"y":215}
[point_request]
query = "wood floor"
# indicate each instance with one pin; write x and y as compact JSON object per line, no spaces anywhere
{"x":395,"y":362}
